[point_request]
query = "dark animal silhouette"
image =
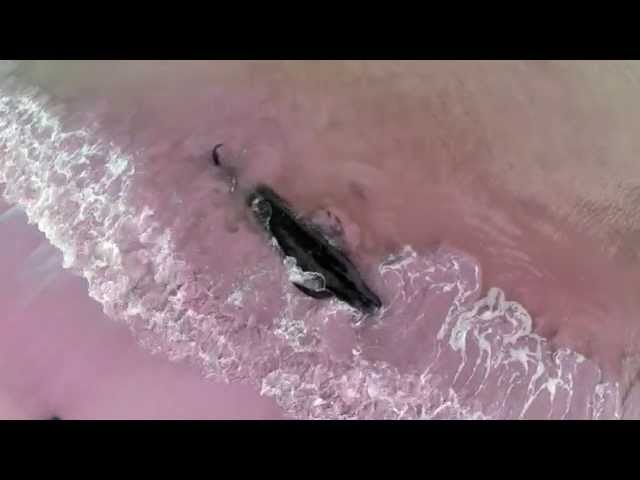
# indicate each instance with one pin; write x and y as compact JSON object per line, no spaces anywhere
{"x":312,"y":251}
{"x":305,"y":243}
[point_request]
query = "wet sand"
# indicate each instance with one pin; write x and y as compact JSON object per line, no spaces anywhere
{"x":528,"y":167}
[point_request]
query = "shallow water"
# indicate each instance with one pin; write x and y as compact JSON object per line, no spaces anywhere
{"x":489,"y":204}
{"x":60,"y":355}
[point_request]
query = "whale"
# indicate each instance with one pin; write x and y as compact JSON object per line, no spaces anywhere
{"x":313,"y":253}
{"x":332,"y":271}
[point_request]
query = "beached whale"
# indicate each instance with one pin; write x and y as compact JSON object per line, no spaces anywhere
{"x":313,"y":253}
{"x":331,"y":272}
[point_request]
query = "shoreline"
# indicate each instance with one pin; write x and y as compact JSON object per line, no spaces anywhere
{"x":533,"y":269}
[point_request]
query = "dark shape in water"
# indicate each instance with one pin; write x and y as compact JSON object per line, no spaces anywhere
{"x":55,"y":417}
{"x":215,"y":156}
{"x":312,"y":251}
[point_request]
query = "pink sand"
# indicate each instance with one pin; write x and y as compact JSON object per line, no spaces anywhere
{"x":483,"y":185}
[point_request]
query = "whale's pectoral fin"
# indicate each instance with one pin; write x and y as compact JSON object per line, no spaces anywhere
{"x":336,"y":226}
{"x":313,"y":293}
{"x":327,"y":221}
{"x":328,"y":224}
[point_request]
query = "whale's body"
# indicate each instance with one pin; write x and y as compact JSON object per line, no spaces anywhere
{"x":312,"y":251}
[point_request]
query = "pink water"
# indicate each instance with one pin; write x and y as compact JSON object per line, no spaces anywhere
{"x":503,"y":298}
